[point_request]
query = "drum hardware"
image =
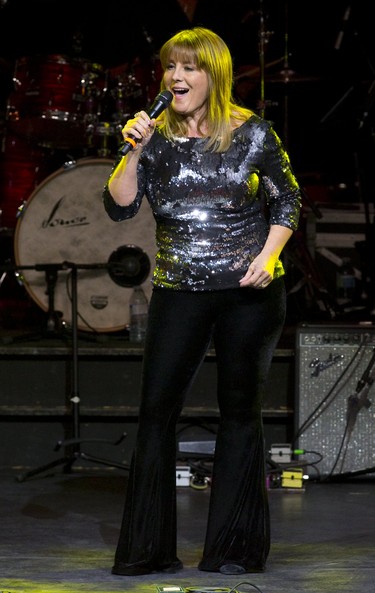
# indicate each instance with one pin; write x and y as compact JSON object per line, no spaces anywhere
{"x":298,"y":255}
{"x":129,"y":266}
{"x":104,"y":137}
{"x":119,"y":94}
{"x":289,"y":76}
{"x":251,"y":71}
{"x":362,"y":144}
{"x":107,"y":104}
{"x":286,"y":77}
{"x":263,"y":40}
{"x":90,"y":92}
{"x":136,"y":84}
{"x":52,"y":99}
{"x":75,"y":442}
{"x":104,"y":118}
{"x":64,"y":220}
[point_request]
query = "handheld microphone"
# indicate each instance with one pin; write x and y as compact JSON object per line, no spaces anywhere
{"x":160,"y":103}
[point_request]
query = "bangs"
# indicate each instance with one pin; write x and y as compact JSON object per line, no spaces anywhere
{"x":198,"y":46}
{"x":179,"y":53}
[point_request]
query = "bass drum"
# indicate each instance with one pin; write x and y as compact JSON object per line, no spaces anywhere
{"x":64,"y":225}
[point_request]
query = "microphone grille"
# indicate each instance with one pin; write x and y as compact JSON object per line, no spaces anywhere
{"x":165,"y":97}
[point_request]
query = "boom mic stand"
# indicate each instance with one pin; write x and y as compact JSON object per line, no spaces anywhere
{"x":75,"y":442}
{"x":355,"y":403}
{"x":53,"y":323}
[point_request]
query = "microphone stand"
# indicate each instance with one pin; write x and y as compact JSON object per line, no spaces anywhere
{"x":359,"y":400}
{"x":53,"y":322}
{"x":75,"y":442}
{"x":355,"y":403}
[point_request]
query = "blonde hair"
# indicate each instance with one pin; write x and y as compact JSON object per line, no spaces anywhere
{"x":208,"y":52}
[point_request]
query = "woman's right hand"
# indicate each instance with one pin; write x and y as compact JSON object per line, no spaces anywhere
{"x":140,"y":128}
{"x":123,"y":183}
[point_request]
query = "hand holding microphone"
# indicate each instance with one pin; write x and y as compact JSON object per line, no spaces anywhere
{"x":160,"y":103}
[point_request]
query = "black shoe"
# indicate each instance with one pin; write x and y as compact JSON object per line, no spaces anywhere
{"x":232,"y":569}
{"x":133,"y":570}
{"x":172,"y":568}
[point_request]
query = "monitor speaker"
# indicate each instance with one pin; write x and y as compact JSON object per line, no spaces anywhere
{"x":334,"y":413}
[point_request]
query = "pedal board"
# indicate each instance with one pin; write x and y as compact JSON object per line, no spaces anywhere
{"x":176,"y":589}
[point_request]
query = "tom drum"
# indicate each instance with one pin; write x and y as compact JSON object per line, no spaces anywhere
{"x":64,"y":221}
{"x":52,"y":96}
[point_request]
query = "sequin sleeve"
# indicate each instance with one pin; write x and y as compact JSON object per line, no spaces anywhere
{"x":114,"y":210}
{"x":281,"y":187}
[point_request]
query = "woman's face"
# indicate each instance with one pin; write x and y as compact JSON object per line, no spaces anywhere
{"x":189,"y":85}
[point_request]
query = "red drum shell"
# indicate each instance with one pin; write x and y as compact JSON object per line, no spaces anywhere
{"x":22,"y":168}
{"x":49,"y":99}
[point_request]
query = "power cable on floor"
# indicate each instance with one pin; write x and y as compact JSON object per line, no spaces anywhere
{"x":177,"y":589}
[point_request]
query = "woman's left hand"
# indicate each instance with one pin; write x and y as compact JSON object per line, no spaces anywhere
{"x":260,"y":272}
{"x":262,"y":268}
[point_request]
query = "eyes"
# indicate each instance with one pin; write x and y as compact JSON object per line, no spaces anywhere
{"x":185,"y":67}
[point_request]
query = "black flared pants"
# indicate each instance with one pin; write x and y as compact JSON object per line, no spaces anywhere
{"x":245,"y":325}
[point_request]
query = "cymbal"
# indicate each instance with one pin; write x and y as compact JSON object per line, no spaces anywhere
{"x":250,"y":70}
{"x":288,"y":76}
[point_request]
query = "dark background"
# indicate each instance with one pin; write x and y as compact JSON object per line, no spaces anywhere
{"x":318,"y":76}
{"x":324,"y":113}
{"x":329,"y":46}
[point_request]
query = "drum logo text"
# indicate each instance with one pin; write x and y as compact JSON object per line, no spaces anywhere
{"x":54,"y":220}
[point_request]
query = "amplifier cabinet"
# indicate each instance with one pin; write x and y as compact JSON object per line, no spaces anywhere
{"x":334,"y":412}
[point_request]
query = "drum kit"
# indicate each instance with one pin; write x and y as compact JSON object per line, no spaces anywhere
{"x":73,"y":111}
{"x":60,"y":106}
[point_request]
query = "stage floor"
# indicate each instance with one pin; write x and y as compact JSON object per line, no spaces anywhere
{"x":59,"y":532}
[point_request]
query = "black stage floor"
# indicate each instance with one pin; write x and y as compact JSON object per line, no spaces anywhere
{"x":59,"y":533}
{"x":59,"y":530}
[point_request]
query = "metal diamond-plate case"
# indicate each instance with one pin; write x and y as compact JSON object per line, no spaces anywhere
{"x":334,"y":413}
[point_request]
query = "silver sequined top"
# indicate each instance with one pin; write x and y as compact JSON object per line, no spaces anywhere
{"x":213,"y":210}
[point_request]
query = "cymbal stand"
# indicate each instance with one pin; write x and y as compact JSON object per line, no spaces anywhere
{"x":263,"y":40}
{"x":75,"y":442}
{"x":286,"y":72}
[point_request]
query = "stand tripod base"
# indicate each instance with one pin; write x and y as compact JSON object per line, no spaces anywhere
{"x":68,"y":460}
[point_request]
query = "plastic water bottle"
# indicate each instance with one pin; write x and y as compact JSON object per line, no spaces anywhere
{"x":138,"y":315}
{"x":345,"y":281}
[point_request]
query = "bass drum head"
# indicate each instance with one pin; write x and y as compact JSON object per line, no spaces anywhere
{"x":64,"y":223}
